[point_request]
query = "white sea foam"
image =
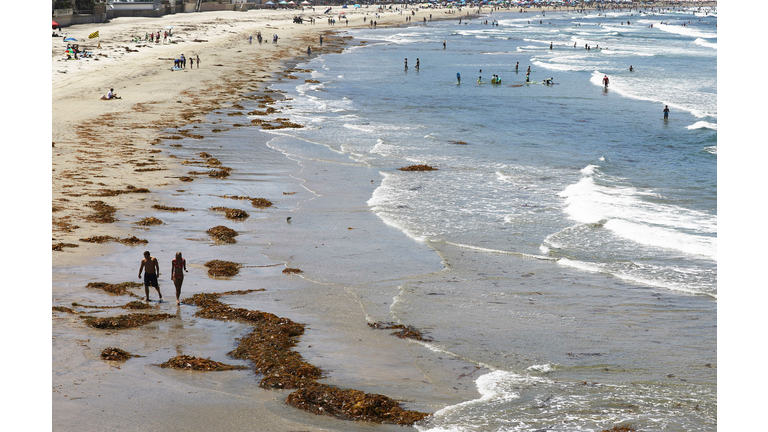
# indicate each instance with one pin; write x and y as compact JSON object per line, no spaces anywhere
{"x":623,"y":211}
{"x":705,"y":43}
{"x":711,"y":149}
{"x":685,"y":31}
{"x":702,"y":125}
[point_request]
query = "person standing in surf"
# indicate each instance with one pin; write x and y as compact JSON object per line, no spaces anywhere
{"x":605,"y":81}
{"x":666,"y":112}
{"x":151,"y":271}
{"x":177,"y":265}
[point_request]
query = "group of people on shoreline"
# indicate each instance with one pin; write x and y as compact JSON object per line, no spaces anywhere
{"x":151,"y":269}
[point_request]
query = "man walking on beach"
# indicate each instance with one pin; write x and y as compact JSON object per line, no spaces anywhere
{"x":151,"y":271}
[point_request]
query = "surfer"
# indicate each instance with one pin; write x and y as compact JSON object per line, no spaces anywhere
{"x":406,"y":64}
{"x":479,"y":79}
{"x":458,"y":78}
{"x":631,"y":69}
{"x":666,"y":112}
{"x":517,"y":64}
{"x":417,"y":63}
{"x":605,"y":81}
{"x":528,"y":76}
{"x":550,"y":45}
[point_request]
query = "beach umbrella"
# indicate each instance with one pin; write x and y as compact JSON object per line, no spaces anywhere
{"x":54,"y":24}
{"x":305,"y":2}
{"x":70,"y":39}
{"x":269,"y":3}
{"x":169,"y":27}
{"x":283,"y":2}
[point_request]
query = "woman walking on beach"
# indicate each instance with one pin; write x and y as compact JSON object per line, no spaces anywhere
{"x":177,"y":265}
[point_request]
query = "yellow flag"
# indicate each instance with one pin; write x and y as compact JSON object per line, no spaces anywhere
{"x":93,"y":35}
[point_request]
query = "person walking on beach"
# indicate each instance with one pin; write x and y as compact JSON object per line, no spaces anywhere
{"x":605,"y":81}
{"x":309,"y":51}
{"x":177,"y":265}
{"x":151,"y":271}
{"x":666,"y":112}
{"x":321,"y":40}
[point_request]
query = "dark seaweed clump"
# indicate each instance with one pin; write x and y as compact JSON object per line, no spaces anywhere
{"x":223,"y":234}
{"x":222,"y":268}
{"x":116,"y":354}
{"x":349,"y":404}
{"x":103,"y":212}
{"x":61,"y":245}
{"x":167,"y":208}
{"x":149,"y":221}
{"x":232,"y":213}
{"x":187,"y":362}
{"x":423,"y":167}
{"x":261,"y":202}
{"x":619,"y":429}
{"x":289,"y":270}
{"x":404,"y":331}
{"x":116,"y":289}
{"x":124,"y":321}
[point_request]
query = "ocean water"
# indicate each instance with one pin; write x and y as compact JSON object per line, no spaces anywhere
{"x":575,"y":228}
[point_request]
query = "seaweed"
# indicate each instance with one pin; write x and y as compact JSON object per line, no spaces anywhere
{"x":222,"y":268}
{"x":149,"y":221}
{"x":124,"y":321}
{"x":423,"y":167}
{"x":186,"y":179}
{"x":60,"y":246}
{"x":619,"y":429}
{"x":116,"y":354}
{"x":104,"y":212}
{"x":132,"y":241}
{"x":405,"y":331}
{"x":128,"y":189}
{"x":223,"y":172}
{"x":223,"y":234}
{"x":97,"y":239}
{"x":349,"y":404}
{"x":116,"y":289}
{"x":232,"y":213}
{"x":166,"y":208}
{"x":187,"y":362}
{"x":65,"y":309}
{"x":261,"y":202}
{"x":138,"y":305}
{"x":289,"y":270}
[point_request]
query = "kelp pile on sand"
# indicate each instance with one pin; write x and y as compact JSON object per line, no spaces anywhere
{"x":187,"y":362}
{"x":60,"y":246}
{"x":351,"y":404}
{"x":104,"y":213}
{"x":116,"y":354}
{"x":115,"y":192}
{"x":170,"y":209}
{"x":223,"y":234}
{"x":124,"y":321}
{"x":222,"y":268}
{"x":619,"y":429}
{"x":261,"y":203}
{"x":232,"y":213}
{"x":116,"y":289}
{"x":282,"y":123}
{"x":423,"y":167}
{"x":404,"y":331}
{"x":149,"y":221}
{"x":269,"y":347}
{"x":289,"y":270}
{"x":256,"y":202}
{"x":130,"y":241}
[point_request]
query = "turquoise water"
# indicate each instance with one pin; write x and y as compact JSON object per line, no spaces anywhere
{"x":567,"y":243}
